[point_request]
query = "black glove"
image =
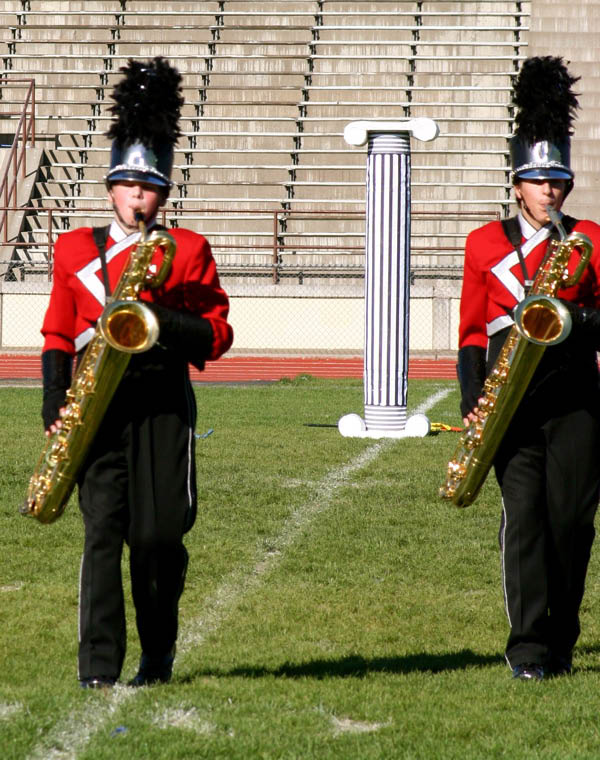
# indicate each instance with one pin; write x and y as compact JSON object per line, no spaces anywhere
{"x":56,"y":377}
{"x":188,"y":335}
{"x":471,"y":376}
{"x":586,"y":323}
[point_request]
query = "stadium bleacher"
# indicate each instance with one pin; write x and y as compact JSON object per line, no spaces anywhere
{"x":269,"y":87}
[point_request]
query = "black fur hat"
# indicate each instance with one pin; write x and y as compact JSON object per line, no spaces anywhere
{"x":546,"y":108}
{"x":145,"y":127}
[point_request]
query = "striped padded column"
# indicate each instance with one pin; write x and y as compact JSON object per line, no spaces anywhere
{"x":387,"y":248}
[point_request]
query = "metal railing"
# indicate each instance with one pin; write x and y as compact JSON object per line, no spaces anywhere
{"x":17,"y":157}
{"x":275,"y":246}
{"x":17,"y":161}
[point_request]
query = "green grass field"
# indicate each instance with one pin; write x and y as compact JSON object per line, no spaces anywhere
{"x":335,"y":607}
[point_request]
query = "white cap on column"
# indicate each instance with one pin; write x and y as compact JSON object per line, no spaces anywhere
{"x":424,"y":129}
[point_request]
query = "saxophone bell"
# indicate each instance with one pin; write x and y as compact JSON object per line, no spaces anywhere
{"x":543,"y":320}
{"x":129,"y":326}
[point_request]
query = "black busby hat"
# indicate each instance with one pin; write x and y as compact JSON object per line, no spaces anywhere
{"x":546,"y":108}
{"x":145,"y":125}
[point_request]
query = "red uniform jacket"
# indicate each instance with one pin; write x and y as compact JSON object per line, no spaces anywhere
{"x":493,"y":279}
{"x":78,"y":293}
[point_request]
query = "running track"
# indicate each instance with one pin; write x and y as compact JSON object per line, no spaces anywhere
{"x":237,"y":369}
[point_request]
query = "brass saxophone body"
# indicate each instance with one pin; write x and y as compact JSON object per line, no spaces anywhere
{"x":126,"y":326}
{"x":541,"y":320}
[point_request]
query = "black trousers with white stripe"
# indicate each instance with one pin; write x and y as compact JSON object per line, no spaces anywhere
{"x":548,"y":468}
{"x":138,"y":488}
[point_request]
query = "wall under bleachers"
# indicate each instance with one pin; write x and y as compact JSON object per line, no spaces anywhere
{"x":262,"y":167}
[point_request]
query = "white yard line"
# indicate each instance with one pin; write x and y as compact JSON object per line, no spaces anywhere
{"x":71,"y":735}
{"x":243,"y":581}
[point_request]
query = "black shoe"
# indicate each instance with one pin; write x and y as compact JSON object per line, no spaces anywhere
{"x":154,"y":669}
{"x":529,"y":671}
{"x":97,"y":682}
{"x":559,"y":666}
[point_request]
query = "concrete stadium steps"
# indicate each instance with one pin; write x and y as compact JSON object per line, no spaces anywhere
{"x":441,"y":85}
{"x":254,"y":123}
{"x":192,"y":174}
{"x":187,"y":7}
{"x":250,"y":191}
{"x":80,"y":11}
{"x":272,"y":93}
{"x":262,"y":40}
{"x":269,"y":89}
{"x":387,"y":48}
{"x":29,"y":263}
{"x":257,"y":65}
{"x":578,"y":46}
{"x":337,"y":106}
{"x":242,"y":157}
{"x":478,"y":33}
{"x":239,"y":80}
{"x":105,"y":34}
{"x":97,"y":63}
{"x":244,"y":111}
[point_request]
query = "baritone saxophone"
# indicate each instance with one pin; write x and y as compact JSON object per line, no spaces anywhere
{"x":126,"y":326}
{"x":541,"y":320}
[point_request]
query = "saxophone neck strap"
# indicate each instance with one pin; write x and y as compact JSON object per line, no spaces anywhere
{"x":568,"y":222}
{"x":100,"y":237}
{"x":512,"y":230}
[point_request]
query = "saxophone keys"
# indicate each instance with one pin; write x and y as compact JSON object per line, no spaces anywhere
{"x":39,"y":487}
{"x":487,"y":405}
{"x":83,"y":384}
{"x":472,"y":438}
{"x":499,"y":375}
{"x":447,"y":491}
{"x":57,"y":451}
{"x":456,"y":470}
{"x":71,"y":417}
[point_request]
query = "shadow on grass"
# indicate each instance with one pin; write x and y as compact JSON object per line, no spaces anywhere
{"x":355,"y":666}
{"x":590,"y":650}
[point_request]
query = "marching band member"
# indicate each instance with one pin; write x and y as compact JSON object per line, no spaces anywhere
{"x":138,"y":484}
{"x":548,"y":464}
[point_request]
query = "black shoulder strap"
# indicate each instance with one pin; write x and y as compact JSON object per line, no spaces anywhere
{"x":569,"y":222}
{"x":100,"y":238}
{"x":512,"y":230}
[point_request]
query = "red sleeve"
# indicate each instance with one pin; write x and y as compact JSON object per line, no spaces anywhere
{"x":193,"y":286}
{"x":206,"y":298}
{"x":473,"y":300}
{"x":59,"y":323}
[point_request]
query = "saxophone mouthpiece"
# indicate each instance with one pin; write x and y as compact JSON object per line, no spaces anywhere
{"x":138,"y":215}
{"x":555,"y":219}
